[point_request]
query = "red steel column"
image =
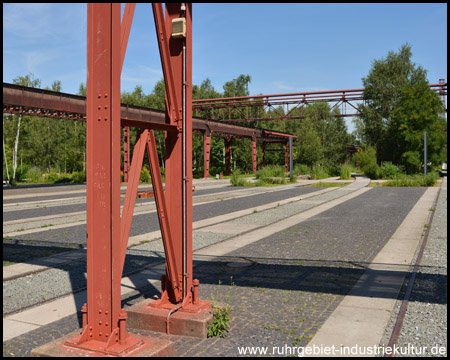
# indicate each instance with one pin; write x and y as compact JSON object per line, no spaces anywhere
{"x":228,"y":155}
{"x":206,"y":153}
{"x":254,"y":155}
{"x":126,"y":152}
{"x":104,"y":314}
{"x":264,"y":154}
{"x":174,"y":151}
{"x":286,"y":157}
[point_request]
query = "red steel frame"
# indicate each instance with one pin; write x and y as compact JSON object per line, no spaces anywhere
{"x":221,"y":108}
{"x":104,"y":329}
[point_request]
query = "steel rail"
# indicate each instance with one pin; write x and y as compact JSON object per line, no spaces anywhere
{"x":404,"y":306}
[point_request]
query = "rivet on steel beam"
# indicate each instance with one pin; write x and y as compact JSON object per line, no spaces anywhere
{"x":106,"y":95}
{"x":106,"y":118}
{"x":90,"y":334}
{"x":106,"y":335}
{"x":106,"y":107}
{"x":106,"y":312}
{"x":100,"y":311}
{"x":99,"y":334}
{"x":99,"y":322}
{"x":99,"y":107}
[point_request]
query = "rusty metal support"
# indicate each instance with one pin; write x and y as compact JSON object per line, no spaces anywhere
{"x":263,"y":153}
{"x":286,"y":157}
{"x":126,"y":152}
{"x":104,"y":313}
{"x":206,"y":153}
{"x":228,"y":155}
{"x":254,"y":155}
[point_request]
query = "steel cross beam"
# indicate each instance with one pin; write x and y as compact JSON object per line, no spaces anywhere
{"x":223,"y":108}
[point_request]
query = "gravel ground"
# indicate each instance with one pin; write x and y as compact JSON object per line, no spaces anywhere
{"x":73,"y":276}
{"x":301,"y":275}
{"x":425,"y":322}
{"x":149,"y":222}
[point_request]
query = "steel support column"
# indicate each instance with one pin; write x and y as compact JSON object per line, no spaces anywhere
{"x":206,"y":153}
{"x":227,"y":155}
{"x":254,"y":155}
{"x":264,"y":153}
{"x":126,"y":152}
{"x":104,"y":328}
{"x":286,"y":157}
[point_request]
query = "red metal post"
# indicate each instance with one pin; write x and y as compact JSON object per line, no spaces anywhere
{"x":228,"y":155}
{"x":264,"y":153}
{"x":104,"y":313}
{"x":206,"y":153}
{"x":126,"y":152}
{"x":254,"y":154}
{"x":286,"y":157}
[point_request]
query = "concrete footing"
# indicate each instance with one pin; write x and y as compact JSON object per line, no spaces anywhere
{"x":186,"y":323}
{"x":151,"y":347}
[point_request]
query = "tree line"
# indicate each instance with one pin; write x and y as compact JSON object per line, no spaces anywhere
{"x":398,"y":107}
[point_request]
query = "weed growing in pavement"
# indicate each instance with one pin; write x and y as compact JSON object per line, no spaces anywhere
{"x":221,"y":323}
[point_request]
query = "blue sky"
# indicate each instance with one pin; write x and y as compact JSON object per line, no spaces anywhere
{"x":283,"y":47}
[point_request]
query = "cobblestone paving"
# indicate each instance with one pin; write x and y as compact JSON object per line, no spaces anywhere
{"x":299,"y":277}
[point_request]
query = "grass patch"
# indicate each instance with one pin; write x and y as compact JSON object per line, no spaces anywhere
{"x":417,"y":180}
{"x":326,"y":184}
{"x":345,"y":172}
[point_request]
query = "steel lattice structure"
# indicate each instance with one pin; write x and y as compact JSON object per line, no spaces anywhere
{"x":285,"y":106}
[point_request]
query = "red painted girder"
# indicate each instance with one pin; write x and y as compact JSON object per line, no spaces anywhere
{"x":172,"y":261}
{"x":130,"y":195}
{"x":172,"y":103}
{"x":125,"y":27}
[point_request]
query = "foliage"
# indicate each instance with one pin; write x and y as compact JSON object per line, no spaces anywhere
{"x":368,"y":162}
{"x":404,"y":180}
{"x":388,"y":170}
{"x":399,"y":106}
{"x":270,"y":171}
{"x":345,"y":172}
{"x":145,"y":176}
{"x":319,"y":172}
{"x":418,"y":111}
{"x":236,"y":178}
{"x":221,"y":322}
{"x":301,"y":169}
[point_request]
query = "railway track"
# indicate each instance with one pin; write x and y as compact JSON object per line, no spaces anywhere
{"x":197,"y":227}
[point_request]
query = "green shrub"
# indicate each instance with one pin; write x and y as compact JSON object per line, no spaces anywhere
{"x":319,"y":172}
{"x":270,"y":171}
{"x":301,"y":169}
{"x":430,"y":179}
{"x":345,"y":173}
{"x":388,"y":170}
{"x":78,"y":177}
{"x":237,"y":179}
{"x":63,"y":178}
{"x":404,"y":180}
{"x":368,"y":162}
{"x":51,"y":177}
{"x":145,"y":176}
